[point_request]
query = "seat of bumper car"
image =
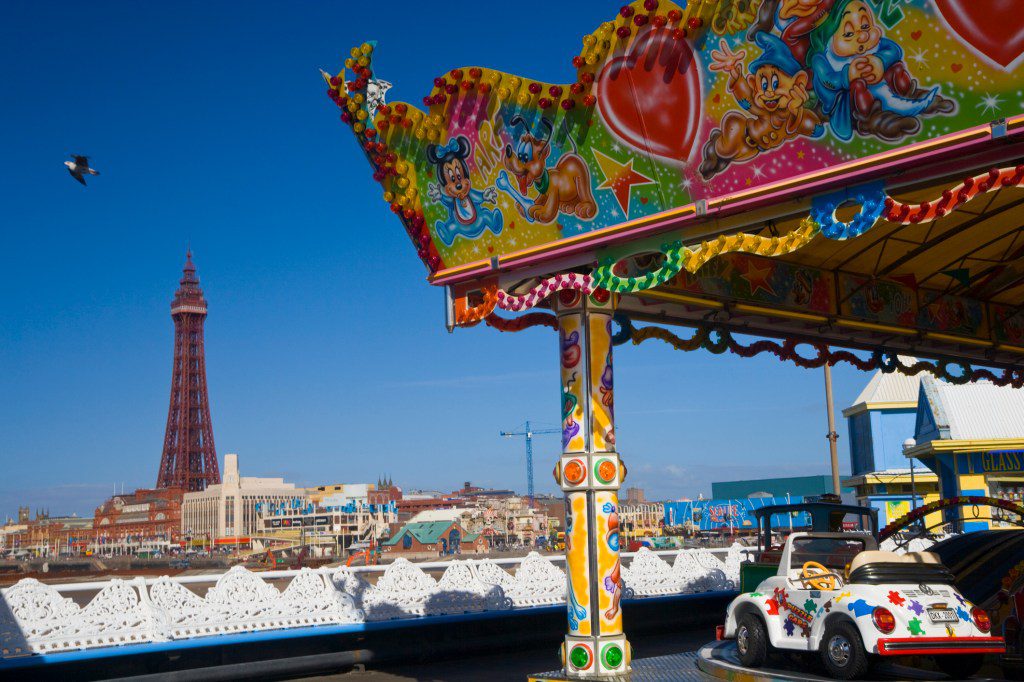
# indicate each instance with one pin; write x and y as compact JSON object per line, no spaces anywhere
{"x":876,"y":567}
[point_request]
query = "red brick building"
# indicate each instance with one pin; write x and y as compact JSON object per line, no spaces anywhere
{"x":143,"y":514}
{"x":408,"y":508}
{"x":47,"y":536}
{"x":385,"y":492}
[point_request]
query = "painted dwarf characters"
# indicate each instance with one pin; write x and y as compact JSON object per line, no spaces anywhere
{"x":823,"y":63}
{"x":467,"y":217}
{"x":861,"y":79}
{"x":795,"y":19}
{"x":772,"y":96}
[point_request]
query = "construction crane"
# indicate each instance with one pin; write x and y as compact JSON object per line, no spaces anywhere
{"x":529,"y":434}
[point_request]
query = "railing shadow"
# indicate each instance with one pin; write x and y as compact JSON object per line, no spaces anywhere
{"x":13,"y":640}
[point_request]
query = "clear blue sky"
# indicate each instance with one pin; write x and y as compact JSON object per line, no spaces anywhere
{"x":327,"y":356}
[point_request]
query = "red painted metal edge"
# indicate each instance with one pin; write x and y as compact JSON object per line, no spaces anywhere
{"x":929,"y":646}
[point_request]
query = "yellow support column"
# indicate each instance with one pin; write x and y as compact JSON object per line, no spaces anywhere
{"x":590,"y":474}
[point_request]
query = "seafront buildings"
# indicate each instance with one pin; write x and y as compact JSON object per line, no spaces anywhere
{"x":911,"y":441}
{"x":228,"y":512}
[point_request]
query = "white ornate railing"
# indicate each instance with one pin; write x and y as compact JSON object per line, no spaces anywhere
{"x":39,"y":618}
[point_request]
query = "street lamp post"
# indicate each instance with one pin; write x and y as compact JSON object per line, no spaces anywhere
{"x":908,"y":444}
{"x":832,"y":436}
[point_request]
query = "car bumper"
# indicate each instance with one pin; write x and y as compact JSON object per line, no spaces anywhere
{"x":907,"y":646}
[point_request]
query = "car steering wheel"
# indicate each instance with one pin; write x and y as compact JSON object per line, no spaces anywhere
{"x":819,"y":577}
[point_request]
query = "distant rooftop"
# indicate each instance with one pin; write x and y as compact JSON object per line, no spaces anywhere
{"x":888,"y":390}
{"x":974,"y":411}
{"x":427,"y":533}
{"x":431,"y":515}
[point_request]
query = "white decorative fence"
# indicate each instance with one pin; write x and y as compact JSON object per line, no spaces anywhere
{"x":40,"y":618}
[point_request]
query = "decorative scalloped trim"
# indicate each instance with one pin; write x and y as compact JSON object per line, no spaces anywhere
{"x":515,"y":324}
{"x":677,"y":259}
{"x":953,"y":198}
{"x":467,"y":317}
{"x":881,"y":359}
{"x":551,"y":285}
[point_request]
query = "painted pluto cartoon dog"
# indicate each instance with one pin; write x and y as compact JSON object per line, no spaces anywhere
{"x":563,"y":188}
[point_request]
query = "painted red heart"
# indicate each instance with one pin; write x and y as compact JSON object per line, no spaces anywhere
{"x":956,"y":67}
{"x":916,"y":35}
{"x":570,"y":356}
{"x":993,"y":29}
{"x":717,"y":98}
{"x":643,"y":200}
{"x":650,"y":98}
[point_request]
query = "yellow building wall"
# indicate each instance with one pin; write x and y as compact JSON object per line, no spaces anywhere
{"x":896,"y":510}
{"x":973,"y":483}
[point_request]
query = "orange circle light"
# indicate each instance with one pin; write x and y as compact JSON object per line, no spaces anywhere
{"x":575,"y":472}
{"x":606,"y":470}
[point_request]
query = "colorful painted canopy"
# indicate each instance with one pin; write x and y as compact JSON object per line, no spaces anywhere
{"x":830,"y":169}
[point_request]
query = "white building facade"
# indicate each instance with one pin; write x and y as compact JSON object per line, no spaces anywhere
{"x":228,"y":509}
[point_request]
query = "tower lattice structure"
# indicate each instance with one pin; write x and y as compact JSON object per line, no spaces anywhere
{"x":189,"y":459}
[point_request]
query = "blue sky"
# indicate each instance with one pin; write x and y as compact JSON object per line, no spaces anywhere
{"x":327,"y":356}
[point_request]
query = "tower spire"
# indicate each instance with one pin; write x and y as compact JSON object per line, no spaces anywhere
{"x":189,"y":459}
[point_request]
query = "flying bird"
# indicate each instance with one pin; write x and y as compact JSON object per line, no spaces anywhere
{"x":79,"y":168}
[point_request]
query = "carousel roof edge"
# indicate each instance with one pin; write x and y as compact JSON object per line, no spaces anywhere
{"x":931,"y":159}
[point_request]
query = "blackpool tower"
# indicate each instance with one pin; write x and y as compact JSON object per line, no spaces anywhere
{"x":189,"y":460}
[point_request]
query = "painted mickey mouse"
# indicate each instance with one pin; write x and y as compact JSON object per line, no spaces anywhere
{"x":466,"y":217}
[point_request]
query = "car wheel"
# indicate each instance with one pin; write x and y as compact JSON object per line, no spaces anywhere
{"x":842,"y":651}
{"x":751,"y":641}
{"x":960,"y":666}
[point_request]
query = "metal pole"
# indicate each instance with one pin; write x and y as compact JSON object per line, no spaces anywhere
{"x":907,"y":445}
{"x":832,"y":436}
{"x":913,"y":487}
{"x":529,"y":463}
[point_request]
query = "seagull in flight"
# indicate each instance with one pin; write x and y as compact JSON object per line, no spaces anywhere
{"x":79,"y":168}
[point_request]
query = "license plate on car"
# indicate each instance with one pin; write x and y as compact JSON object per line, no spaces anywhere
{"x":943,"y":615}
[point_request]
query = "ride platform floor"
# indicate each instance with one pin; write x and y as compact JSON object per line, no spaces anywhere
{"x":718,"y":658}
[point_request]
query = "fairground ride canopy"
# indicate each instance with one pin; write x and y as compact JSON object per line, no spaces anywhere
{"x":825,"y":171}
